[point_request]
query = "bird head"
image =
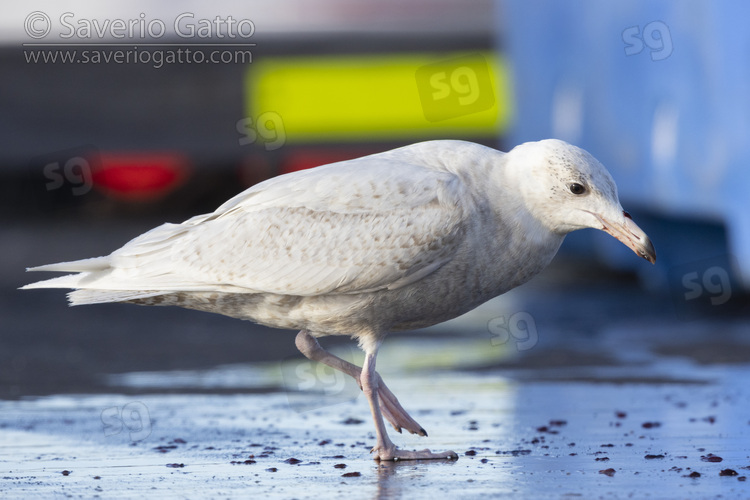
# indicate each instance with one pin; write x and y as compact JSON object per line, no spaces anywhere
{"x":568,"y":189}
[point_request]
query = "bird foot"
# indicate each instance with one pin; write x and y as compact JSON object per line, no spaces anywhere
{"x":393,"y":453}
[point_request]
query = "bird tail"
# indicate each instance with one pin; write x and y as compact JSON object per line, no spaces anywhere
{"x":88,"y":270}
{"x":85,"y":297}
{"x":85,"y":268}
{"x":78,"y":266}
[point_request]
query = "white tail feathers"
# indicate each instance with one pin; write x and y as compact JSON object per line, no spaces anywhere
{"x":89,"y":296}
{"x":78,"y":266}
{"x":67,"y":281}
{"x":97,"y":285}
{"x":84,"y":297}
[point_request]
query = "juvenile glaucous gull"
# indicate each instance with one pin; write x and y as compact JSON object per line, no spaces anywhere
{"x":398,"y":240}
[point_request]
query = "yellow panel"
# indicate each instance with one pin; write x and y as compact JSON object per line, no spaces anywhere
{"x":367,"y":97}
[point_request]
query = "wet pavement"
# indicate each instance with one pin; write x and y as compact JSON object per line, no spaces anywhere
{"x":579,"y":384}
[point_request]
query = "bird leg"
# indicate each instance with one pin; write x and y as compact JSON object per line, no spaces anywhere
{"x":384,"y":448}
{"x":389,"y":405}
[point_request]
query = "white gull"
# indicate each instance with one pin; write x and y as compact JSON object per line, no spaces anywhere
{"x":398,"y":240}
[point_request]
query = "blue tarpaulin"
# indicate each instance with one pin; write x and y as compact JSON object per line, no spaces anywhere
{"x":658,"y":91}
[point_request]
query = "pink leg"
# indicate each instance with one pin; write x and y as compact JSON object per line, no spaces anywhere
{"x":389,"y":405}
{"x":384,"y":448}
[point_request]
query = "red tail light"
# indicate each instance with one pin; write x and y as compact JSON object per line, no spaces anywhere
{"x":140,"y":176}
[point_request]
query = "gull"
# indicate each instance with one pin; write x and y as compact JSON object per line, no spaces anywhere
{"x":398,"y":240}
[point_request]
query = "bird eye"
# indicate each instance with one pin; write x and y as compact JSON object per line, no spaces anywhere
{"x":576,"y":188}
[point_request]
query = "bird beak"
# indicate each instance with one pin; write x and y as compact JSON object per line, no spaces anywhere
{"x":630,"y":234}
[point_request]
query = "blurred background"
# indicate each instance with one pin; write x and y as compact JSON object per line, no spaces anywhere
{"x":117,"y":117}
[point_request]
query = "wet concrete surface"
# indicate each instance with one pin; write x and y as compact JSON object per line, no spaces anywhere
{"x":579,"y":384}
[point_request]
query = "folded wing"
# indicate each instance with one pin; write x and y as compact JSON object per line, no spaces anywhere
{"x":350,"y":227}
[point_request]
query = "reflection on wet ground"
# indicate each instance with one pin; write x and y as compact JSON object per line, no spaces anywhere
{"x":658,"y":427}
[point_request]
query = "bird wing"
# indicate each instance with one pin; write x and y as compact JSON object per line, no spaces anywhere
{"x":351,"y":227}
